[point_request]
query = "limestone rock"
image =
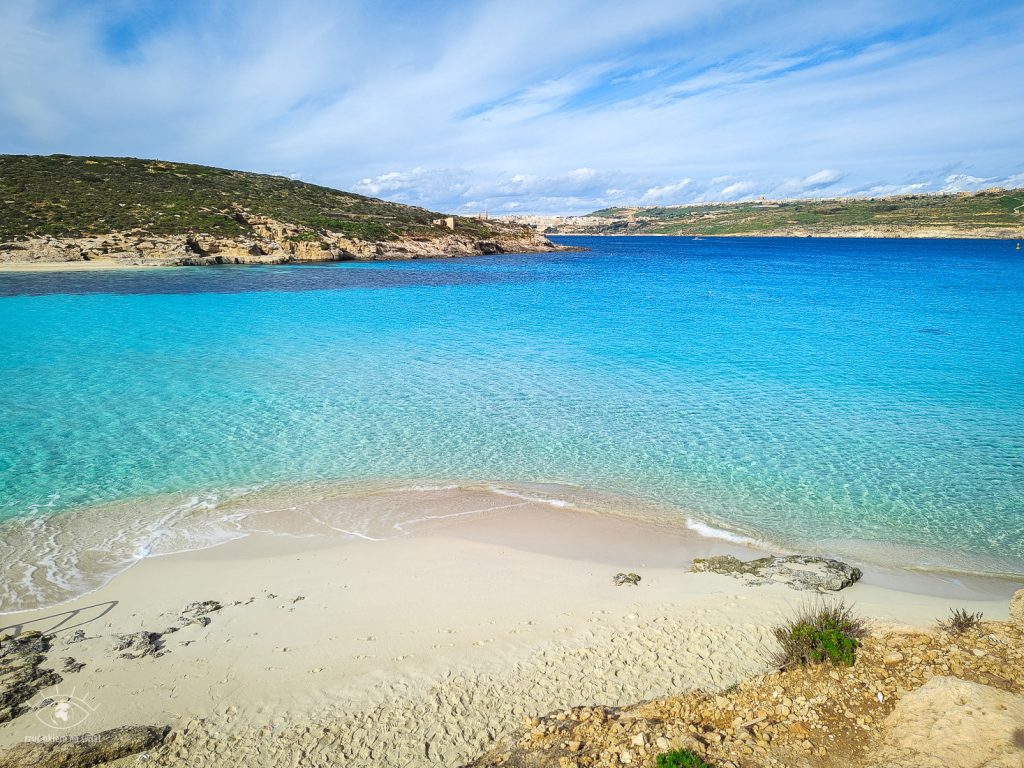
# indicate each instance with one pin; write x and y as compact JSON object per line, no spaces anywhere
{"x":21,"y":672}
{"x":1017,"y":607}
{"x":138,"y":645}
{"x":807,"y":572}
{"x":953,"y":723}
{"x":86,"y":751}
{"x":196,"y":613}
{"x":621,"y":579}
{"x":269,"y":242}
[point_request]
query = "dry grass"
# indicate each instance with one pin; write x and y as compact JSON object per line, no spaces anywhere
{"x":820,"y":631}
{"x":960,"y":621}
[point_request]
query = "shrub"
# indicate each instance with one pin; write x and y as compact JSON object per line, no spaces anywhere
{"x":680,"y":758}
{"x":817,"y":633}
{"x":960,"y":621}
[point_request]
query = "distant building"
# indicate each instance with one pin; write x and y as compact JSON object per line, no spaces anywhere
{"x":447,"y":221}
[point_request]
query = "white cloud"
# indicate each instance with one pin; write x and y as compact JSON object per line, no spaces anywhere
{"x":561,"y":106}
{"x":737,"y":190}
{"x":667,"y":194}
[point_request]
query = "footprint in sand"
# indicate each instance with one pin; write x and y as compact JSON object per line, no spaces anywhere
{"x":362,"y":657}
{"x":444,"y":645}
{"x":406,"y":656}
{"x":368,"y":638}
{"x":484,"y":642}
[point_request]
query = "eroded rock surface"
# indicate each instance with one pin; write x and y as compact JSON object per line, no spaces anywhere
{"x":621,"y":579}
{"x":21,"y":673}
{"x":806,"y":572}
{"x":84,"y":751}
{"x":270,"y":242}
{"x":952,"y":723}
{"x":1017,"y":607}
{"x":138,"y":645}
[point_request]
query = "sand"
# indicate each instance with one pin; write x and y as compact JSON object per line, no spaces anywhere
{"x":421,"y":649}
{"x":93,"y":265}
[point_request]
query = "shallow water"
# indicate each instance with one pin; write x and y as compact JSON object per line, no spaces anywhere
{"x":860,"y":396}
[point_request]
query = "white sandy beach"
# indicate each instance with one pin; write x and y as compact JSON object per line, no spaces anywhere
{"x":421,"y":649}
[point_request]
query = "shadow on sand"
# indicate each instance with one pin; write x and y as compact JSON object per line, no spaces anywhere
{"x":62,"y":621}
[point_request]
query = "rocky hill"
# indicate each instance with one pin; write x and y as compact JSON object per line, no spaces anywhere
{"x":124,"y":210}
{"x":993,"y":213}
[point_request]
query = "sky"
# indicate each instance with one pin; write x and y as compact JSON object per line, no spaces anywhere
{"x":531,"y":106}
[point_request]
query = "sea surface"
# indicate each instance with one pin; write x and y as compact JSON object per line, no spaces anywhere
{"x":858,"y":397}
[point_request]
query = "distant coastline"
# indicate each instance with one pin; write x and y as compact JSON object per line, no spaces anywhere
{"x":988,"y":214}
{"x":798,"y":235}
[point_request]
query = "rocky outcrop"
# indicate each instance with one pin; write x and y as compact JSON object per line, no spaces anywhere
{"x":270,"y":242}
{"x":952,"y":723}
{"x":1017,"y":607}
{"x":138,"y":645}
{"x":911,"y":700}
{"x":84,"y":751}
{"x":806,"y":572}
{"x":21,"y":673}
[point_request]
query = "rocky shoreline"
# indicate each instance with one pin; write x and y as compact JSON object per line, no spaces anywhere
{"x":271,"y":242}
{"x":914,"y":699}
{"x":324,"y":654}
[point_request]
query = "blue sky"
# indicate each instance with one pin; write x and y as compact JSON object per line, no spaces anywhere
{"x":532,"y":106}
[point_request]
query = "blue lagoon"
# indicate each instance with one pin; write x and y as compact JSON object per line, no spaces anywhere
{"x":863,"y":398}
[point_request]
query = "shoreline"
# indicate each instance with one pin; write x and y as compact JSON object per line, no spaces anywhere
{"x":138,"y":530}
{"x":447,"y":636}
{"x":782,"y":235}
{"x":99,"y":265}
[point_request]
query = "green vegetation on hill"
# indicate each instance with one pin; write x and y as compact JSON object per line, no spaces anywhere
{"x":64,"y":196}
{"x":989,"y":210}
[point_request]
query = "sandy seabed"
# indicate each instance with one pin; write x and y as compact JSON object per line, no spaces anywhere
{"x":422,"y":649}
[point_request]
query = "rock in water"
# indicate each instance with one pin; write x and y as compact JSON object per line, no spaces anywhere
{"x":1017,"y":607}
{"x":86,"y":751}
{"x":820,"y":574}
{"x":952,"y":723}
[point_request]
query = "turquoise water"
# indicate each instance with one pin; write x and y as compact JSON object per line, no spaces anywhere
{"x":864,"y":396}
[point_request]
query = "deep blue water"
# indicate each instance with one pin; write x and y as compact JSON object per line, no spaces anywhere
{"x":864,"y":395}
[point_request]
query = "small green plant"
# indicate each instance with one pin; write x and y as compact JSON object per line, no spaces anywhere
{"x":819,"y":632}
{"x":681,"y":758}
{"x":960,"y":621}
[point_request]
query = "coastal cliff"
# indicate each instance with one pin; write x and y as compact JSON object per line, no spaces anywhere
{"x":123,"y":211}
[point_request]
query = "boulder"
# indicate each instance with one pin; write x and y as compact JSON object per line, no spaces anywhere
{"x":1017,"y":607}
{"x":952,"y":723}
{"x":808,"y":572}
{"x":85,"y":751}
